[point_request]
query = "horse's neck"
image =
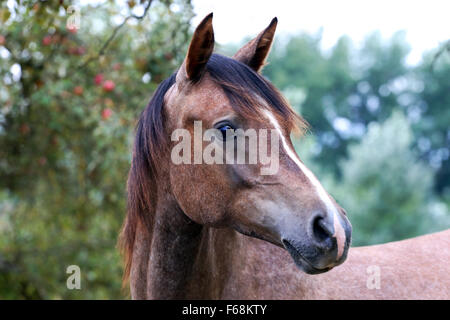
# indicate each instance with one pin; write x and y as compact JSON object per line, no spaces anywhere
{"x":180,"y":259}
{"x":163,"y":257}
{"x":234,"y":266}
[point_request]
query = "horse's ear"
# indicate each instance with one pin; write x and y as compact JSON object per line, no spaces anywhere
{"x":200,"y":50}
{"x":255,"y":52}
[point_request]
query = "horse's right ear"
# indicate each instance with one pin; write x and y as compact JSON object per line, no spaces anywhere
{"x":200,"y":50}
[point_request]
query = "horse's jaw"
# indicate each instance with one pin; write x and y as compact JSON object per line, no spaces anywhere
{"x":303,"y":264}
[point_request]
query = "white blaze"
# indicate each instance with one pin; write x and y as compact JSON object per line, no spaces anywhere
{"x":339,"y":232}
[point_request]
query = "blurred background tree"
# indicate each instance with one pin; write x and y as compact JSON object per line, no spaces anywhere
{"x":388,"y":193}
{"x":69,"y":100}
{"x":66,"y":124}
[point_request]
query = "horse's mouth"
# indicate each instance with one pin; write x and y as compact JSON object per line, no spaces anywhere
{"x":301,"y":262}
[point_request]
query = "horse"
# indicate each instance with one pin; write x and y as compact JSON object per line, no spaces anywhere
{"x":226,"y":231}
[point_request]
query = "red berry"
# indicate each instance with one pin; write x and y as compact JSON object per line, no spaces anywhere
{"x":47,"y":40}
{"x":24,"y":129}
{"x":80,"y":51}
{"x":72,"y":50}
{"x":78,"y":90}
{"x":109,"y":85}
{"x":98,"y":79}
{"x":168,"y":56}
{"x":72,"y":29}
{"x":106,"y":113}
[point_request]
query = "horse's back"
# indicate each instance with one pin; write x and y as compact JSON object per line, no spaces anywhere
{"x":416,"y":268}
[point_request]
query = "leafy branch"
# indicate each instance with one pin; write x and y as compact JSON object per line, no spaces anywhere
{"x":106,"y":44}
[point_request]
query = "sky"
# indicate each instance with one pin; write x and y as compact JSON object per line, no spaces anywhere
{"x":427,"y":23}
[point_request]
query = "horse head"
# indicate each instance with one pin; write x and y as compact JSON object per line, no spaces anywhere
{"x":228,"y":98}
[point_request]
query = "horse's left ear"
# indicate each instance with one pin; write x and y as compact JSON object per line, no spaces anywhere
{"x":255,"y":52}
{"x":200,"y":50}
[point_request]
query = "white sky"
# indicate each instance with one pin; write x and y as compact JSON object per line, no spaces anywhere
{"x":427,"y":23}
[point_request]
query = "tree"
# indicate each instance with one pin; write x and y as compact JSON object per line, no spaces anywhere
{"x":431,"y":113}
{"x":388,"y":194}
{"x":69,"y":101}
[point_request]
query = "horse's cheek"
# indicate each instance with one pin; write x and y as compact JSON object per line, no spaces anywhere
{"x":200,"y":194}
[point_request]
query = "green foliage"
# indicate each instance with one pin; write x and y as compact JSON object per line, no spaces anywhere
{"x":431,"y":113}
{"x":65,"y":139}
{"x":386,"y":191}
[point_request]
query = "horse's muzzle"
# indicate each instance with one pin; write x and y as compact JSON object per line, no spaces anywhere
{"x":322,"y":247}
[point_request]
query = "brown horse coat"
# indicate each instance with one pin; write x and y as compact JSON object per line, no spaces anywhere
{"x":227,"y":232}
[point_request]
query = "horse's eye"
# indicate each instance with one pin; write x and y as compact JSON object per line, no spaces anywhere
{"x":224,"y":129}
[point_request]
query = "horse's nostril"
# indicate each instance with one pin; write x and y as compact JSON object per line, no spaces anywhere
{"x":321,"y":230}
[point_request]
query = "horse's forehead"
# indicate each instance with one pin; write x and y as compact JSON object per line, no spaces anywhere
{"x":205,"y":98}
{"x":207,"y":93}
{"x":207,"y":101}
